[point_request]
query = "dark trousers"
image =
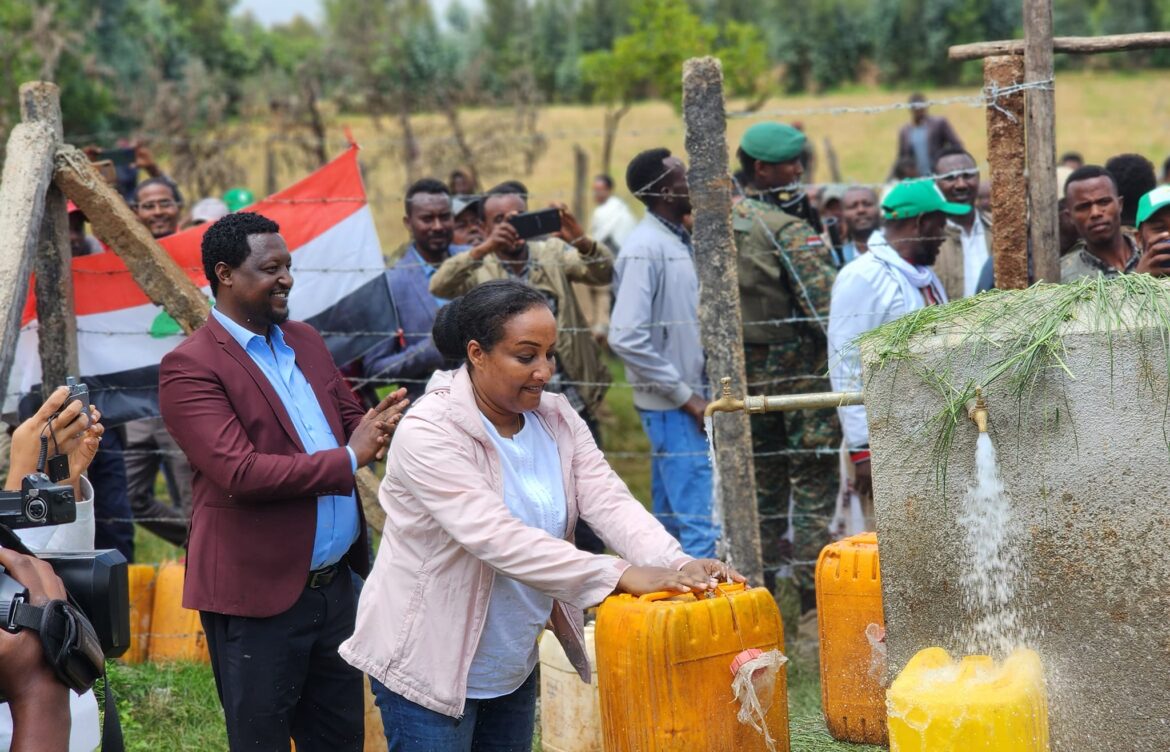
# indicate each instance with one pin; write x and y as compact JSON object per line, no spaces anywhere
{"x":281,"y":676}
{"x":111,"y":501}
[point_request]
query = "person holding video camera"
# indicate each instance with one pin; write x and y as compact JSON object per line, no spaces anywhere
{"x":64,"y":720}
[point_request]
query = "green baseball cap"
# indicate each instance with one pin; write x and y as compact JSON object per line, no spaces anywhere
{"x":912,"y":198}
{"x":772,"y":142}
{"x":1152,"y":203}
{"x":237,"y":198}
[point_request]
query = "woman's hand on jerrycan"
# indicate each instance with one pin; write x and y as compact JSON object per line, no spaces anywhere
{"x":700,"y":574}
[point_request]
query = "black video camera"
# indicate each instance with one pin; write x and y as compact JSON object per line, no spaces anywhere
{"x":97,"y":581}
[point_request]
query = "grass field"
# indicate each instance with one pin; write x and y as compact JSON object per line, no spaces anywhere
{"x":1093,"y":117}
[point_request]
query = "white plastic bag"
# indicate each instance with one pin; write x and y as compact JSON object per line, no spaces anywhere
{"x":754,"y":686}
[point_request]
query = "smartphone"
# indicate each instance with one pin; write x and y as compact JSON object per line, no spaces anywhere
{"x":533,"y":224}
{"x":120,"y":157}
{"x":77,"y":393}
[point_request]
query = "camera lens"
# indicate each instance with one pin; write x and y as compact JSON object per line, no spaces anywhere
{"x":36,"y":510}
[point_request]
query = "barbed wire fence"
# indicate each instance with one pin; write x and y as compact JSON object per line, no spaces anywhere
{"x":988,"y":98}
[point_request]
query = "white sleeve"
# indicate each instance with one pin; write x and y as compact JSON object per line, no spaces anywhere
{"x":74,"y":536}
{"x":854,"y":310}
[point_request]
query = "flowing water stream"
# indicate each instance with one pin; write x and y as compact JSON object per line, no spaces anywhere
{"x":993,"y":576}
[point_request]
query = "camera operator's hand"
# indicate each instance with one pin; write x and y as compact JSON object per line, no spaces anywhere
{"x":75,"y":436}
{"x":38,"y":699}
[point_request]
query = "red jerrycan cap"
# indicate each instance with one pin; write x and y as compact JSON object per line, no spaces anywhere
{"x":743,"y":657}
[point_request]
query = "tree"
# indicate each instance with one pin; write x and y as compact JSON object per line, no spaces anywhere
{"x":648,"y":61}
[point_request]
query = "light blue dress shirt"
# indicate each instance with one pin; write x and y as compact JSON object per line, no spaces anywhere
{"x":337,"y":516}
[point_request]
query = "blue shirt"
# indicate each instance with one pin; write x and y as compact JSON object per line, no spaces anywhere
{"x":337,"y":516}
{"x":414,"y":257}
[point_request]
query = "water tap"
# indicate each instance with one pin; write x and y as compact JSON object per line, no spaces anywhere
{"x":977,"y":410}
{"x":726,"y":403}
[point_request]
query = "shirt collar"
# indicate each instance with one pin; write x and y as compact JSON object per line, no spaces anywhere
{"x":242,"y":335}
{"x":1093,"y":262}
{"x":678,"y":230}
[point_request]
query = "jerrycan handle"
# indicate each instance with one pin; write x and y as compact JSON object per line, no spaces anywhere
{"x":720,"y":589}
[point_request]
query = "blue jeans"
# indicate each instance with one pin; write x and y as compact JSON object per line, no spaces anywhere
{"x":501,"y":724}
{"x":680,"y":479}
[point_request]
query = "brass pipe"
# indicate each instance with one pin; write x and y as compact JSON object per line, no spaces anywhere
{"x":759,"y":404}
{"x":977,"y":410}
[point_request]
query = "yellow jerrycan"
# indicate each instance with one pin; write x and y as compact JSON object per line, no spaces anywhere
{"x":940,"y":705}
{"x":176,"y":633}
{"x":667,"y":663}
{"x":852,"y":634}
{"x":141,"y":579}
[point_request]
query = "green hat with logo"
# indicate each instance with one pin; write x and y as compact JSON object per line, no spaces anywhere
{"x":913,"y":198}
{"x":1152,"y":203}
{"x":772,"y":142}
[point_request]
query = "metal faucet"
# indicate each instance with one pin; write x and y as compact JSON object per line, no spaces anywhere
{"x":758,"y":404}
{"x":977,"y":410}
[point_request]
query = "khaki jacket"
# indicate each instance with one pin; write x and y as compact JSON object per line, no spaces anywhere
{"x":553,"y":264}
{"x":949,"y":266}
{"x":448,"y":535}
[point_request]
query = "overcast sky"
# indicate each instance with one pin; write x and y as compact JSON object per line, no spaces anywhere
{"x":278,"y":11}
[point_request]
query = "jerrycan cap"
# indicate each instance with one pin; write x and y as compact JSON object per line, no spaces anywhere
{"x":743,"y":657}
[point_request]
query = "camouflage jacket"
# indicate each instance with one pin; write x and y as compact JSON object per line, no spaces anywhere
{"x":786,"y":271}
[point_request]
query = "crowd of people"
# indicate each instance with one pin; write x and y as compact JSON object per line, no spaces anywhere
{"x":500,"y":505}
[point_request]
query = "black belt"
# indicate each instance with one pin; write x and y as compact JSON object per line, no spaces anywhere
{"x":319,"y":578}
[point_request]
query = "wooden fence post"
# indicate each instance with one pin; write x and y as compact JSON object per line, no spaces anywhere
{"x":1043,"y":219}
{"x":40,"y":101}
{"x":720,"y":317}
{"x":28,"y":171}
{"x":113,"y":221}
{"x":1005,"y":155}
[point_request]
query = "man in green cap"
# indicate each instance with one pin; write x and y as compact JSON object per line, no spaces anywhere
{"x":1153,"y":231}
{"x":785,"y":276}
{"x":894,"y":278}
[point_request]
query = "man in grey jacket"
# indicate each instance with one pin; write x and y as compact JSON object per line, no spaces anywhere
{"x":655,"y":331}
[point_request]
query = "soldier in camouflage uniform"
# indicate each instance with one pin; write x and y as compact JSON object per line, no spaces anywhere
{"x":786,"y":277}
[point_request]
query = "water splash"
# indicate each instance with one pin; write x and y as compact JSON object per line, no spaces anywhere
{"x":722,"y":550}
{"x":994,"y":576}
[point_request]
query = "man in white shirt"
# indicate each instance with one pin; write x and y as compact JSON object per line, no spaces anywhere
{"x":891,"y":280}
{"x":968,"y":237}
{"x":611,"y":222}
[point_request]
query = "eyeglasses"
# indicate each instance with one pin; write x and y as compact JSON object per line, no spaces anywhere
{"x":152,"y":205}
{"x":970,"y":172}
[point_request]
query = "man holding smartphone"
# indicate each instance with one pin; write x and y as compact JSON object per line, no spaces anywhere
{"x":549,"y":263}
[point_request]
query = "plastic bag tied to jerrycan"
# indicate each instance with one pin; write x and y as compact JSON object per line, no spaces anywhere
{"x":852,"y":634}
{"x":940,"y":705}
{"x":670,"y":667}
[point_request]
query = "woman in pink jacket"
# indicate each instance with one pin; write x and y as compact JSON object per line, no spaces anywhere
{"x":486,"y":476}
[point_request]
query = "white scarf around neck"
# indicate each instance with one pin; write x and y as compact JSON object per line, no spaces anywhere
{"x":911,"y":278}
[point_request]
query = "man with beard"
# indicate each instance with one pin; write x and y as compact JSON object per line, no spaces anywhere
{"x":968,"y":237}
{"x":859,"y":209}
{"x":157,"y":202}
{"x":655,"y":332}
{"x":1153,"y":231}
{"x":275,"y":436}
{"x":785,"y":277}
{"x":893,"y":279}
{"x":1095,"y":208}
{"x":409,"y":358}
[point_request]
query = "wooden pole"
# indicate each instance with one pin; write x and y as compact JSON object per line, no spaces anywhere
{"x":1043,"y":219}
{"x":1068,"y":45}
{"x":720,"y":318}
{"x":28,"y":172}
{"x":1005,"y":154}
{"x":152,"y":268}
{"x":40,"y":101}
{"x":580,"y":181}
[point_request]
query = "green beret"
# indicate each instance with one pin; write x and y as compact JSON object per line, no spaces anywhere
{"x":772,"y":142}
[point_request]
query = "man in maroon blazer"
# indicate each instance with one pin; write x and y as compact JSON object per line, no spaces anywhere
{"x":274,"y":437}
